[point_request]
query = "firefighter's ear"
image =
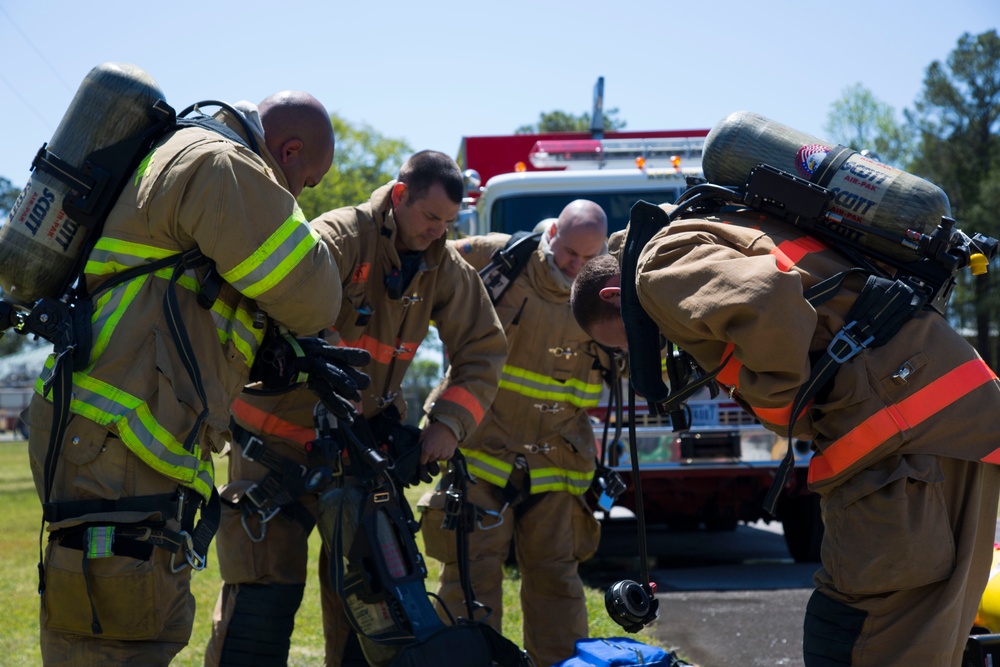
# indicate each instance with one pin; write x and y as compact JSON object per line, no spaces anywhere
{"x":290,"y":150}
{"x":611,"y":294}
{"x":398,"y":194}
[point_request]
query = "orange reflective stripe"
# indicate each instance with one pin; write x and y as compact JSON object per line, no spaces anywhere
{"x":730,"y":373}
{"x":789,"y":253}
{"x":887,"y":422}
{"x":382,"y":353}
{"x":774,"y":415}
{"x":464,"y":398}
{"x":267,"y":424}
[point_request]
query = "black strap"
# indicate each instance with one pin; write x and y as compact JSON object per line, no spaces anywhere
{"x":831,"y":164}
{"x":283,"y":485}
{"x":166,"y":504}
{"x":508,"y":262}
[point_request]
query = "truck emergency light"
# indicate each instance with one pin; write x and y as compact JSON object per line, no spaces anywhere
{"x":597,"y":154}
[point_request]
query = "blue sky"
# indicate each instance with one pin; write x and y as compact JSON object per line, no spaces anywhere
{"x":431,"y":72}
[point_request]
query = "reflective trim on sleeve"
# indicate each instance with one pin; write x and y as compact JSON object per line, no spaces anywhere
{"x":383,"y":353}
{"x":789,"y":253}
{"x":867,"y":436}
{"x":265,"y":423}
{"x":535,"y":385}
{"x":275,"y":259}
{"x":730,"y":373}
{"x":463,"y":398}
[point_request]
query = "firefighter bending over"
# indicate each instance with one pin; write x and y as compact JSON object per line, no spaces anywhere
{"x":121,"y":488}
{"x":904,"y":432}
{"x":533,"y":457}
{"x":398,"y":275}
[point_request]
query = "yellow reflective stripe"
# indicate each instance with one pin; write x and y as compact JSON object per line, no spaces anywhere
{"x":275,"y":259}
{"x":545,"y":480}
{"x":108,"y":312}
{"x":127,"y":254}
{"x":144,"y":166}
{"x":237,"y":324}
{"x":487,"y":467}
{"x":534,"y":385}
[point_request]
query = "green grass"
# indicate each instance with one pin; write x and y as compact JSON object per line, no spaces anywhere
{"x":19,"y":582}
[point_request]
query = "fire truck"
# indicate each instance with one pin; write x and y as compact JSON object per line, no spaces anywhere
{"x":716,"y":474}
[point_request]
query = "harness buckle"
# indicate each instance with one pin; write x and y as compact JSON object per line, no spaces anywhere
{"x":383,"y":401}
{"x":252,"y":448}
{"x":265,"y":508}
{"x":846,"y":337}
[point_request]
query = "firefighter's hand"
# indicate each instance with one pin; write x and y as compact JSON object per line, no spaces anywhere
{"x":437,"y":443}
{"x":330,"y":372}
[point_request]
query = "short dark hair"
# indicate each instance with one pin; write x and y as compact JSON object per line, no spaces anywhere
{"x":426,"y":168}
{"x":585,"y":298}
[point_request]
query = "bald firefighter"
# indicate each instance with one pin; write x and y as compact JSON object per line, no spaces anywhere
{"x":398,"y":274}
{"x":903,"y":432}
{"x":171,"y":349}
{"x":533,"y":456}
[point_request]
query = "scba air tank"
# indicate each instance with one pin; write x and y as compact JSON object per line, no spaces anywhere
{"x":39,"y":243}
{"x":865,"y":192}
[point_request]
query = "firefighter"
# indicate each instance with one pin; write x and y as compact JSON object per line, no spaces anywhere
{"x":398,"y":274}
{"x":903,"y":434}
{"x":121,"y":487}
{"x":533,"y":457}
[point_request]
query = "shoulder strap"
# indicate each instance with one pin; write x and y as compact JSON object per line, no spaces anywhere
{"x":508,"y":262}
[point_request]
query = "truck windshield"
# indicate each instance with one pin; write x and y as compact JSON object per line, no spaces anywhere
{"x":513,"y":214}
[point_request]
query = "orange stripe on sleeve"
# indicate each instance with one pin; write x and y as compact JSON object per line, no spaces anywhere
{"x":730,"y":373}
{"x":267,"y":424}
{"x":869,"y":434}
{"x":789,"y":253}
{"x":464,"y":398}
{"x":381,"y":352}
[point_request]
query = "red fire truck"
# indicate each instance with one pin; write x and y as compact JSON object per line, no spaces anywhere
{"x":717,"y":473}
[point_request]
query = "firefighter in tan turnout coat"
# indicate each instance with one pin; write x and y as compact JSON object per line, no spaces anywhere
{"x":398,"y":275}
{"x":135,"y":462}
{"x":534,"y":456}
{"x":904,"y":432}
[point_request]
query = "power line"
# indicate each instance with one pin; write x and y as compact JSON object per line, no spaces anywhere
{"x":37,"y":51}
{"x":26,"y":103}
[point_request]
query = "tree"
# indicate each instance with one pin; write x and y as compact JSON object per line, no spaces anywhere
{"x":560,"y":121}
{"x":859,"y":120}
{"x":8,"y":195}
{"x":363,"y":161}
{"x":958,"y":120}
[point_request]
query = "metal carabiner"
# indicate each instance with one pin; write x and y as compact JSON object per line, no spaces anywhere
{"x":194,"y":559}
{"x":498,"y":515}
{"x":256,"y":539}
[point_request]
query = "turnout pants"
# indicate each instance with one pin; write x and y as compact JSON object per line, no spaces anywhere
{"x":906,"y":557}
{"x":144,"y":609}
{"x":552,"y":533}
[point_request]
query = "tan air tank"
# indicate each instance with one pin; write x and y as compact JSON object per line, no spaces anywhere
{"x":39,"y":243}
{"x":865,"y":192}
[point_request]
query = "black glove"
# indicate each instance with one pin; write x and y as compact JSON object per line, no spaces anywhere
{"x":329,"y":371}
{"x":403,"y":443}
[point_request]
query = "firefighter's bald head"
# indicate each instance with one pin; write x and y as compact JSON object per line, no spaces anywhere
{"x":299,"y":135}
{"x":579,"y":234}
